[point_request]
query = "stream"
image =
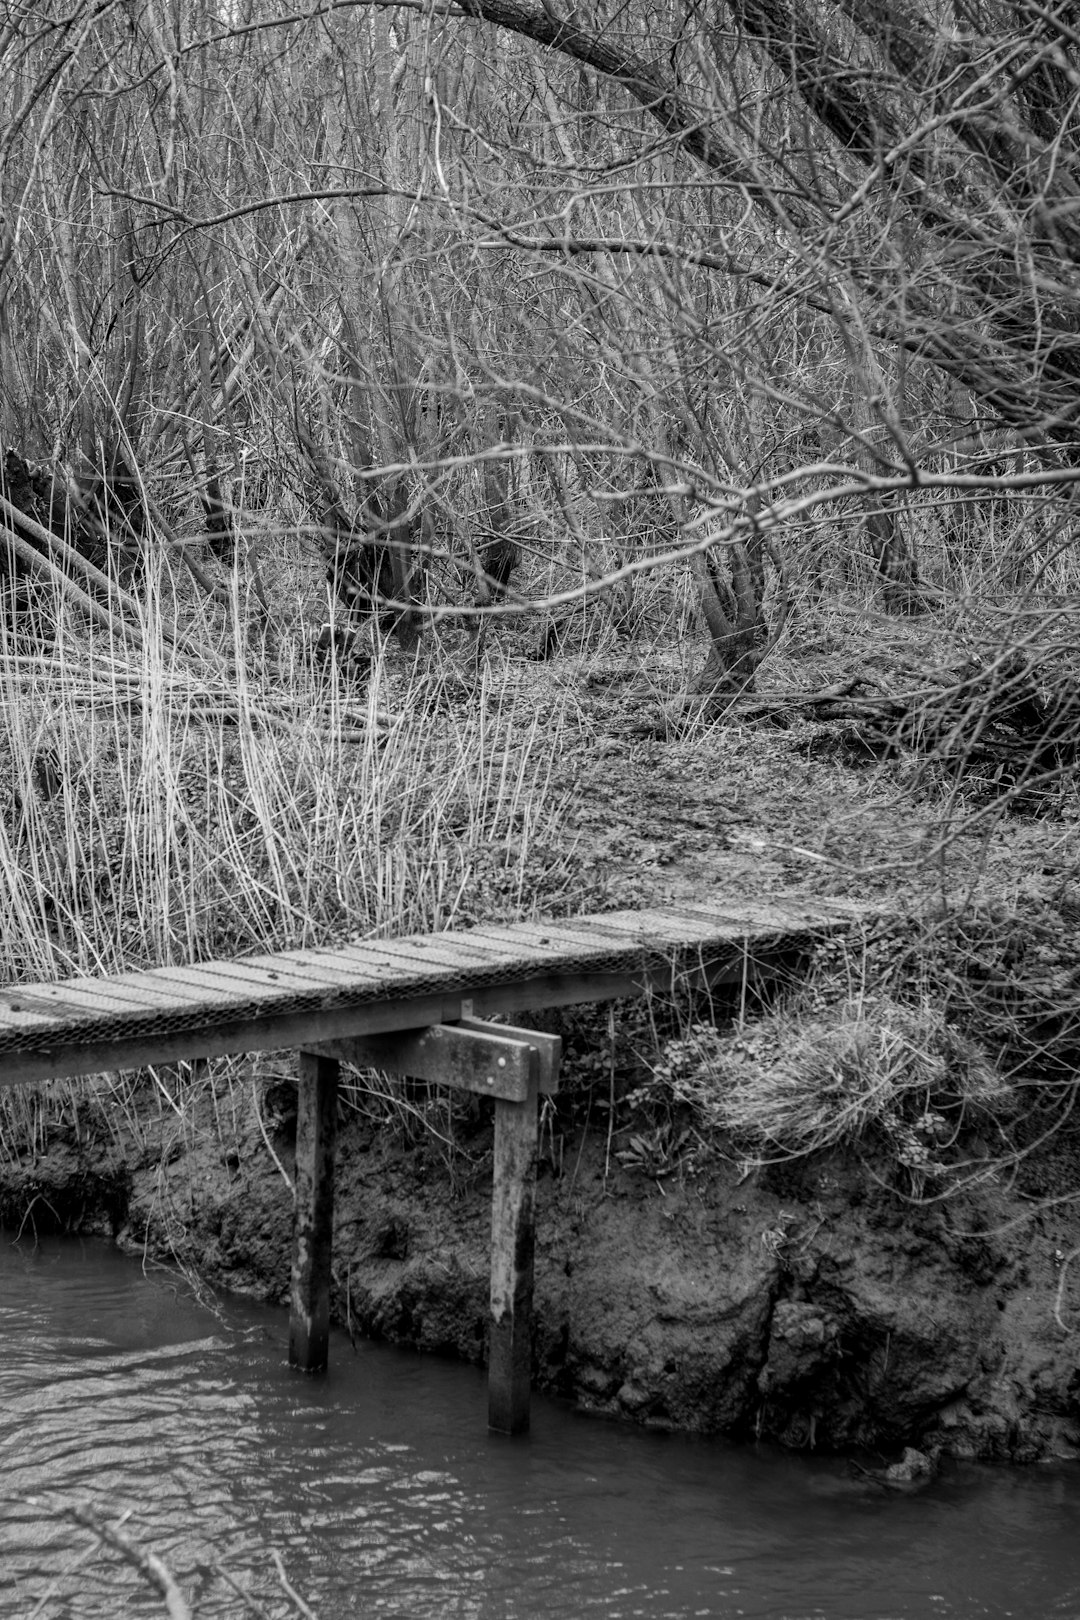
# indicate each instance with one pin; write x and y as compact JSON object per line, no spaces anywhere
{"x":375,"y":1490}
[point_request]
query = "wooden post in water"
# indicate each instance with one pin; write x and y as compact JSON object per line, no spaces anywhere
{"x":513,"y":1229}
{"x":515,"y":1067}
{"x":313,"y":1222}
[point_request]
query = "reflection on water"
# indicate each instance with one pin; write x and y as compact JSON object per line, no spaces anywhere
{"x":383,"y":1495}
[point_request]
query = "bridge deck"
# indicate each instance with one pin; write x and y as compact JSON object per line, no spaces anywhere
{"x":301,"y":998}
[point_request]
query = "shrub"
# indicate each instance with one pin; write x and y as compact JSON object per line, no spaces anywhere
{"x":869,"y":1069}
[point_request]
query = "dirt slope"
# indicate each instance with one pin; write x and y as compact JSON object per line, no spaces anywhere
{"x":814,"y":1307}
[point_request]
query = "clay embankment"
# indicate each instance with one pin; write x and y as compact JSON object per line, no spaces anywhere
{"x":815,"y":1306}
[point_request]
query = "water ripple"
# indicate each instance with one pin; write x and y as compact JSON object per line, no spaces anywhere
{"x":384,"y":1495}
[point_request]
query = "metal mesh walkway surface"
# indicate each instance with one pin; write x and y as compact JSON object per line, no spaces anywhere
{"x":258,"y":1002}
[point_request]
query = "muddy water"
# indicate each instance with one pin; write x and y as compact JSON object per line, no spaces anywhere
{"x":381,"y":1494}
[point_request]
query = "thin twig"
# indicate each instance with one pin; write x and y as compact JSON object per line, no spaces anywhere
{"x":294,"y":1596}
{"x":269,"y":1145}
{"x":148,"y":1564}
{"x":249,"y":1602}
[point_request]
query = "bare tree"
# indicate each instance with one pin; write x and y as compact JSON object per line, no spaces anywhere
{"x":666,"y":245}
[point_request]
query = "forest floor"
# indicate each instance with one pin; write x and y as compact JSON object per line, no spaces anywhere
{"x":907,"y":1280}
{"x":653,"y":810}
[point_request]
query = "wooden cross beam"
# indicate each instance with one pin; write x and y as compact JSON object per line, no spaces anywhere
{"x":516,"y":1067}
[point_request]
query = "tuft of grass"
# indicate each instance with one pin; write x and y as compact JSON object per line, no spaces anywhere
{"x":945,"y":1044}
{"x":865,"y":1069}
{"x":159,"y":810}
{"x":869,"y":1054}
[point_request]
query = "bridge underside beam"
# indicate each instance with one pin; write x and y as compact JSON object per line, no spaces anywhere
{"x":487,"y":1061}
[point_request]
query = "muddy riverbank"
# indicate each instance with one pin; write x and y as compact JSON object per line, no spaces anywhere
{"x":812,"y":1304}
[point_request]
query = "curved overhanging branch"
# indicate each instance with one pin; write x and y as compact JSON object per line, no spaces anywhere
{"x":698,"y":134}
{"x":1017,"y":344}
{"x":995,"y":308}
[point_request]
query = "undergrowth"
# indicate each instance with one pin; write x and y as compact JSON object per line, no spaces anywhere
{"x":946,"y":1047}
{"x":215,"y":791}
{"x":797,"y":1083}
{"x":160,"y":806}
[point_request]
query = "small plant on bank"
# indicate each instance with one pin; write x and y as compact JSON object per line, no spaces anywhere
{"x":657,"y":1152}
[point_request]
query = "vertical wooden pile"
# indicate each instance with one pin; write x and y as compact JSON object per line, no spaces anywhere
{"x":516,"y":1067}
{"x":313,"y":1220}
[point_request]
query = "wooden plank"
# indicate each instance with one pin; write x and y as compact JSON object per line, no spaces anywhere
{"x":513,"y":1241}
{"x":541,"y":946}
{"x":438,"y":951}
{"x":258,"y":1033}
{"x":235,"y":980}
{"x":455,"y":956}
{"x":27,"y":1006}
{"x":548,"y":1048}
{"x":487,"y":1060}
{"x":624,"y":932}
{"x":258,"y":981}
{"x":313,"y":1220}
{"x":359,"y":963}
{"x":407,"y":958}
{"x":141,"y":995}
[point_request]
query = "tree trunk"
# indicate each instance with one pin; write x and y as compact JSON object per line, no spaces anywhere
{"x":892,"y":550}
{"x":498,"y":554}
{"x":736,"y":627}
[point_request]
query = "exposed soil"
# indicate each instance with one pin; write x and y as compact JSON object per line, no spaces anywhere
{"x":811,"y":1306}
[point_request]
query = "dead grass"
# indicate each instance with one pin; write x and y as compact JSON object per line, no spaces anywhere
{"x":217,"y":793}
{"x":157,"y":812}
{"x":941,"y":1048}
{"x":859,"y":1072}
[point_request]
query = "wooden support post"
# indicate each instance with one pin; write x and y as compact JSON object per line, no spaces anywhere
{"x":513,"y":1226}
{"x":313,"y":1222}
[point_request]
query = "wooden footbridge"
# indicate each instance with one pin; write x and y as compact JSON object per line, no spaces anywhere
{"x":418,"y":1006}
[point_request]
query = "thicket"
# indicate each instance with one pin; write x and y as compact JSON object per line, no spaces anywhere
{"x":351,"y":355}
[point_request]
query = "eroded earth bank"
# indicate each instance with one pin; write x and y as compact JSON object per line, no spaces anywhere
{"x":813,"y":1303}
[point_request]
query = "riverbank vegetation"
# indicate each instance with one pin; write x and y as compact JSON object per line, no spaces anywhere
{"x":487,"y":464}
